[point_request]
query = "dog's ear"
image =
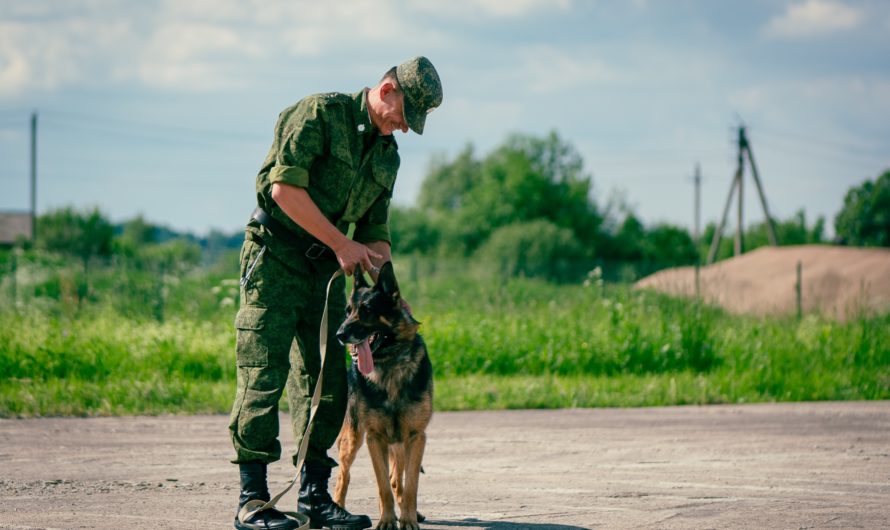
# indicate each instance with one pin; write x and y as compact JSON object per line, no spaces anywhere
{"x":386,"y":281}
{"x":359,"y":278}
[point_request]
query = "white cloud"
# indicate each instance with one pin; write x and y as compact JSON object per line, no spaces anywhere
{"x":191,"y":56}
{"x":556,"y":71}
{"x":58,"y":52}
{"x":203,"y":45}
{"x":14,"y":73}
{"x":814,"y":17}
{"x":320,"y":27}
{"x":195,"y":45}
{"x":469,"y":9}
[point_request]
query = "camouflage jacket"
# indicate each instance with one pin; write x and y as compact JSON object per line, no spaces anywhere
{"x":326,"y":144}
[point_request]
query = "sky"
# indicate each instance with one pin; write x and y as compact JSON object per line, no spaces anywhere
{"x":165,"y":108}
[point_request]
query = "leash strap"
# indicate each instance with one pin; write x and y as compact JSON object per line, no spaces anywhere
{"x":256,"y":506}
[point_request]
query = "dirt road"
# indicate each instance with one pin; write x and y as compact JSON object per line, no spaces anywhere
{"x":812,"y":465}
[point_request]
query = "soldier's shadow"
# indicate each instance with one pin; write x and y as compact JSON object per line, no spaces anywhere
{"x":502,"y":525}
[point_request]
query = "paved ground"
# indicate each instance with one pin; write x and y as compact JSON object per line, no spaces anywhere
{"x":815,"y":465}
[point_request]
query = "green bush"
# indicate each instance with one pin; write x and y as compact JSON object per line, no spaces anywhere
{"x":533,"y":249}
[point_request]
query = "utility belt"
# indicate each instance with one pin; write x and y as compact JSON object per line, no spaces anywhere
{"x":311,"y":249}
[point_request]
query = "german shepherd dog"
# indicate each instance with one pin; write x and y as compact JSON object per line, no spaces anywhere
{"x":390,"y":396}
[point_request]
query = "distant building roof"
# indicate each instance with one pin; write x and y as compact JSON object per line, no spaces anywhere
{"x":14,"y":225}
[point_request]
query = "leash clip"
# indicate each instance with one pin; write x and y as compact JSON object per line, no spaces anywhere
{"x":249,"y":271}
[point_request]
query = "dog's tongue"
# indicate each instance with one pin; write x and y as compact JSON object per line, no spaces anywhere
{"x":365,"y":359}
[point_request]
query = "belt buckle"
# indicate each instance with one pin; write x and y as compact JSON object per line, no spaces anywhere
{"x":315,"y":251}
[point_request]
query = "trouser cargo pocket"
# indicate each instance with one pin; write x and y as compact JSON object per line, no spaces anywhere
{"x":252,"y":346}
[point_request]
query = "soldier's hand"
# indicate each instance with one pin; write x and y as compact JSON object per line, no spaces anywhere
{"x":352,"y":254}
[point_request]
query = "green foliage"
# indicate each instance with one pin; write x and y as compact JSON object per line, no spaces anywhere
{"x":526,"y":179}
{"x":413,"y":230}
{"x":664,"y":244}
{"x":536,"y":248}
{"x":447,"y":185}
{"x":138,"y":231}
{"x":792,"y":231}
{"x":864,"y":219}
{"x":521,"y":342}
{"x":83,"y":234}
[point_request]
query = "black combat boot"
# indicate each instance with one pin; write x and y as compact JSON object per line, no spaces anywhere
{"x":316,"y":503}
{"x":253,"y":487}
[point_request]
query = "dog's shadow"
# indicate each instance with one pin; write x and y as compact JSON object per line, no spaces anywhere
{"x":502,"y":525}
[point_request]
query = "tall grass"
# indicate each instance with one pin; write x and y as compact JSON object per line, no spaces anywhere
{"x":136,"y":342}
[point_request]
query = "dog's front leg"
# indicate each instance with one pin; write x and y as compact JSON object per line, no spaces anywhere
{"x":379,"y":452}
{"x":397,"y":470}
{"x":414,"y":448}
{"x":348,"y":443}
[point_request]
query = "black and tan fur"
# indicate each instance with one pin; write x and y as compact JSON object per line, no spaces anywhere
{"x":392,"y":406}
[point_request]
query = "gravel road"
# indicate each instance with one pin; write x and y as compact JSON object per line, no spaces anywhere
{"x":805,"y":465}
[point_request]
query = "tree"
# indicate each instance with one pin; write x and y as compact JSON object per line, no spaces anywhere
{"x":865,"y":217}
{"x":525,"y":179}
{"x":412,"y":230}
{"x":536,"y":248}
{"x":448,"y":182}
{"x":83,"y":234}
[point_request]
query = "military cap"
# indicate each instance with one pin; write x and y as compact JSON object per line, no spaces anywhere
{"x":420,"y":83}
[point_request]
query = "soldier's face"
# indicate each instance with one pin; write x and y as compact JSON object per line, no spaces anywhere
{"x":391,"y":115}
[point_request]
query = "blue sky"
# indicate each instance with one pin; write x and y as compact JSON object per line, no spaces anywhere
{"x":165,"y":108}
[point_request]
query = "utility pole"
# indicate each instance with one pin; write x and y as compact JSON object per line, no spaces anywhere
{"x":737,"y":182}
{"x":34,"y":176}
{"x":697,"y":180}
{"x":739,"y":245}
{"x":770,"y":222}
{"x":697,"y":233}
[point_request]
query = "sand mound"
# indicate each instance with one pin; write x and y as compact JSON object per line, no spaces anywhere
{"x":837,"y":281}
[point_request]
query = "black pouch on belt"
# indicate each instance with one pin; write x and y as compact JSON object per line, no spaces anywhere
{"x":322,"y":258}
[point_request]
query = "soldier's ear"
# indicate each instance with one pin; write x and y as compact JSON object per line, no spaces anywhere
{"x":386,"y":281}
{"x":385,"y":88}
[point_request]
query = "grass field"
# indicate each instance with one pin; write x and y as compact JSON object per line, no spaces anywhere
{"x":135,"y":342}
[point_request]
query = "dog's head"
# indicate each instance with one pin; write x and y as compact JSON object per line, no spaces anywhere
{"x":375,"y":314}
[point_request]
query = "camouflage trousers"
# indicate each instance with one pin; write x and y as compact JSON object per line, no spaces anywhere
{"x":277,"y":328}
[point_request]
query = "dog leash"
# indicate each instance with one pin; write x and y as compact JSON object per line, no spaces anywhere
{"x":256,"y":506}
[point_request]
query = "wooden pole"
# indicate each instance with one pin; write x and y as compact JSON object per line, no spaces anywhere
{"x":715,"y":242}
{"x":770,"y":223}
{"x":34,"y":176}
{"x":697,"y":233}
{"x":697,"y":180}
{"x":740,"y":223}
{"x":798,"y":290}
{"x":13,"y":275}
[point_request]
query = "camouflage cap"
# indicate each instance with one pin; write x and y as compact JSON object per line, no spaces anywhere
{"x":419,"y":81}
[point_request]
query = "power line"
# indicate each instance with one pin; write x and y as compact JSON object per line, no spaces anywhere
{"x":809,"y":140}
{"x":784,"y":145}
{"x":124,"y":125}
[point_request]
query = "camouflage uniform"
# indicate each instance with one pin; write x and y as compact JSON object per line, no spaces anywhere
{"x":326,"y":144}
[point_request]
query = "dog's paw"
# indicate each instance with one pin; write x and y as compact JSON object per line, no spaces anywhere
{"x":408,"y":524}
{"x":388,"y":523}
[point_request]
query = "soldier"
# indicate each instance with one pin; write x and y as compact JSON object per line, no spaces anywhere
{"x":333,"y":163}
